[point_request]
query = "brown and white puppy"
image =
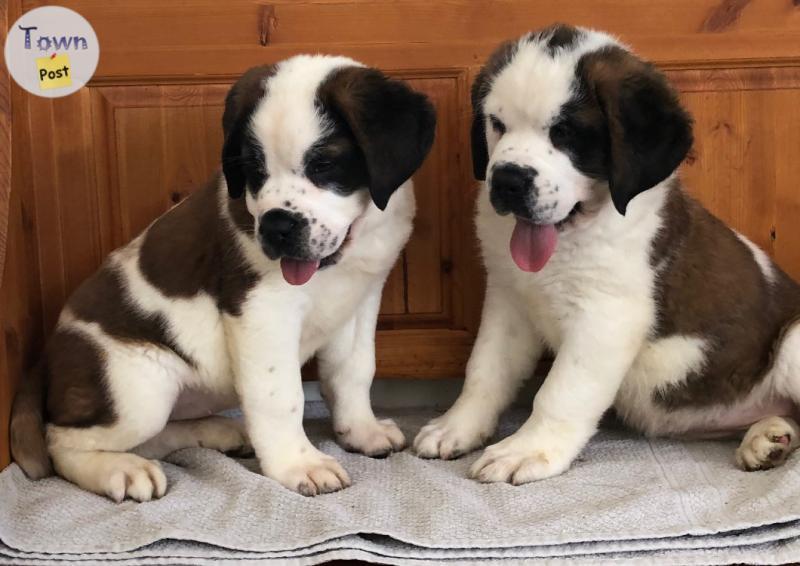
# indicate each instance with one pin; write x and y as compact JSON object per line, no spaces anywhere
{"x":593,"y":250}
{"x":221,"y":300}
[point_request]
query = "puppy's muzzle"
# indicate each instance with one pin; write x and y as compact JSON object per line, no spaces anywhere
{"x":283,"y":233}
{"x":512,"y":189}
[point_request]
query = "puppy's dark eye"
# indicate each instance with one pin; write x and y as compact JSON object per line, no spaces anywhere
{"x":322,"y":166}
{"x":561,"y":133}
{"x":497,"y":125}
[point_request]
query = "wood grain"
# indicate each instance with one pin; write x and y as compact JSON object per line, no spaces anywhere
{"x":743,"y":165}
{"x":61,"y":152}
{"x":6,"y":390}
{"x":206,"y":37}
{"x":5,"y":145}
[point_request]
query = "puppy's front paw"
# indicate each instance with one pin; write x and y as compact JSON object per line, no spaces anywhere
{"x":310,"y":473}
{"x":521,"y":459}
{"x":376,"y":439}
{"x":450,"y":436}
{"x":124,"y":475}
{"x":767,"y":444}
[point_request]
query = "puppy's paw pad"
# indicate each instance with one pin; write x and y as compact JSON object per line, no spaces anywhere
{"x":445,"y":439}
{"x":376,"y":439}
{"x":766,"y":445}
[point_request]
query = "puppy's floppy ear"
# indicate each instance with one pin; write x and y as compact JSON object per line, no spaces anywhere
{"x":393,"y":125}
{"x":240,"y":103}
{"x":649,"y":131}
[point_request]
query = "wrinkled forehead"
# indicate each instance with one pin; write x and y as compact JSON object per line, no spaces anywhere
{"x":288,"y":119}
{"x":539,"y":78}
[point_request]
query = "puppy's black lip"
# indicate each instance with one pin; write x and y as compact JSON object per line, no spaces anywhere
{"x":576,"y":210}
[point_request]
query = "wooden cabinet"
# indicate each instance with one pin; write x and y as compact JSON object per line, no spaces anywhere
{"x":91,"y":170}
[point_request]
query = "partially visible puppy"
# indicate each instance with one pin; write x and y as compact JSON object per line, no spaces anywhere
{"x":221,"y":300}
{"x":593,"y":250}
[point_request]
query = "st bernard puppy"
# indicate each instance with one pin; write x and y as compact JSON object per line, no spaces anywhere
{"x":594,"y":251}
{"x":221,"y":300}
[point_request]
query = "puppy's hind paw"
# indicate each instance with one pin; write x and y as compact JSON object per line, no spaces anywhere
{"x":767,"y":444}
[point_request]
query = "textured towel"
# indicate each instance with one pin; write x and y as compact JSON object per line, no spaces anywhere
{"x":625,"y":498}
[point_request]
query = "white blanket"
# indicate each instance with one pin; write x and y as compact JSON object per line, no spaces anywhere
{"x":625,"y":499}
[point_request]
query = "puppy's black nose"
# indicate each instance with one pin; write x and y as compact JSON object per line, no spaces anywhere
{"x":279,"y":229}
{"x":511,"y":185}
{"x":512,"y":179}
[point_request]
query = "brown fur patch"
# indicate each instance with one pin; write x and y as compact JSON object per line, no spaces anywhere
{"x":710,"y":286}
{"x":192,"y":249}
{"x":104,"y":299}
{"x":76,"y":389}
{"x":649,"y":132}
{"x":393,"y":125}
{"x":27,"y":435}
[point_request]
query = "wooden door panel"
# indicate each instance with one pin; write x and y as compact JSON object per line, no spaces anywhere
{"x":64,"y":206}
{"x":744,"y":164}
{"x":159,"y":144}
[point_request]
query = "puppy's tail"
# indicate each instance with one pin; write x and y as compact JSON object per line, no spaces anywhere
{"x":28,"y":444}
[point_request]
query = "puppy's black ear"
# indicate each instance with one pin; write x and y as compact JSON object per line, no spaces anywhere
{"x":240,"y":103}
{"x":480,"y":150}
{"x":649,"y":131}
{"x":393,"y":125}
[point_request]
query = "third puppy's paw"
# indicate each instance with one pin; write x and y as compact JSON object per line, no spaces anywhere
{"x":449,"y":437}
{"x":376,"y":439}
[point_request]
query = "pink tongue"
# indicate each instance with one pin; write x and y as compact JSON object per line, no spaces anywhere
{"x":298,"y":272}
{"x":532,"y":245}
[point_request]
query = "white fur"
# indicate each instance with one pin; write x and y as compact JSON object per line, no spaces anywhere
{"x":762,"y":259}
{"x":253,"y":359}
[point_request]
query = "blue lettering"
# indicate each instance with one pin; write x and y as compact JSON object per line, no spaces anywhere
{"x":28,"y":35}
{"x":43,"y":43}
{"x":62,"y":42}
